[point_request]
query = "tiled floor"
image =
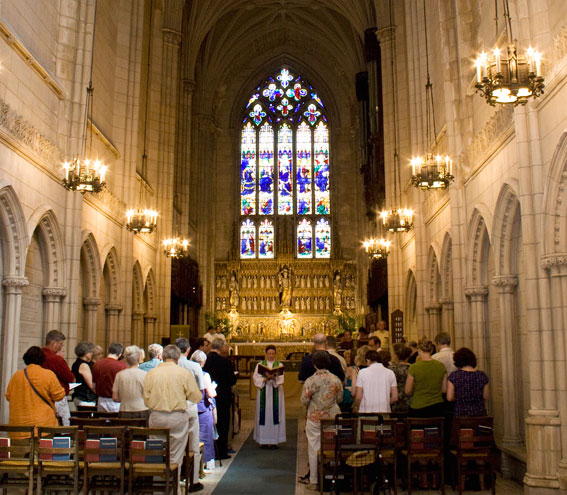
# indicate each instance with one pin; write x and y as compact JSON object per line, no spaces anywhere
{"x":295,"y":410}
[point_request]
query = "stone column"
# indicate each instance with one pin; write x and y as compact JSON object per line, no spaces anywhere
{"x":112,"y":320}
{"x":506,"y":287}
{"x":11,"y":334}
{"x":137,"y":337}
{"x":52,"y":297}
{"x":477,"y":295}
{"x":184,"y":166}
{"x":90,"y":306}
{"x":149,"y":329}
{"x":433,"y":311}
{"x":448,"y":318}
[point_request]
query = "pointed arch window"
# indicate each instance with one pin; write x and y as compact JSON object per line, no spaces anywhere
{"x":285,"y":168}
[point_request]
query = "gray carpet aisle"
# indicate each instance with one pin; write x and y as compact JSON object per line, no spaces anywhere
{"x":263,"y":472}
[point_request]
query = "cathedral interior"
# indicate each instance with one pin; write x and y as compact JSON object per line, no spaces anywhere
{"x":267,"y":136}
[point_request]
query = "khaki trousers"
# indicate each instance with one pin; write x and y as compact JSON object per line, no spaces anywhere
{"x":313,"y":432}
{"x":193,"y":420}
{"x":178,"y":425}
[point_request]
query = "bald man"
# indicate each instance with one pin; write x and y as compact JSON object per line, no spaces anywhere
{"x":307,"y":369}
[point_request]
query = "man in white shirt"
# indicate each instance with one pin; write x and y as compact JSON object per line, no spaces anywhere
{"x":376,"y":386}
{"x":213,"y":334}
{"x":444,"y":352}
{"x":183,"y":345}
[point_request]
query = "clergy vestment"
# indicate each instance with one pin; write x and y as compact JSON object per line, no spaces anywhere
{"x":270,"y":408}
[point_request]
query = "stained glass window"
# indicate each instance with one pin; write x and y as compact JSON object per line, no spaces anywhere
{"x":284,"y":167}
{"x":304,"y":237}
{"x":322,"y":239}
{"x":247,"y":240}
{"x":266,"y":240}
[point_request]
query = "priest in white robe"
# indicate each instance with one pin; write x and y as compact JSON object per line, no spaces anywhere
{"x":270,"y":404}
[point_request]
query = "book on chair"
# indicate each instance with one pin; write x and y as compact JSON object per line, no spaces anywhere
{"x":4,"y":442}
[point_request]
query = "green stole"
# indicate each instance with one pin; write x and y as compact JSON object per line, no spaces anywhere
{"x":275,"y":402}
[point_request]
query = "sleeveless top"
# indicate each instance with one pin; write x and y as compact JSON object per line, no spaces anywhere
{"x":82,"y":392}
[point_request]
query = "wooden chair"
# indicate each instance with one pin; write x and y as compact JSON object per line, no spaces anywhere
{"x":346,"y":443}
{"x":55,"y":475}
{"x":425,"y":449}
{"x":473,"y":449}
{"x":104,"y":464}
{"x":326,"y":454}
{"x":381,"y":434}
{"x":93,"y":414}
{"x":17,"y":458}
{"x":147,"y":469}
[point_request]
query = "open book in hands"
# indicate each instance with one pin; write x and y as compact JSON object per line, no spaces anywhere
{"x":270,"y":372}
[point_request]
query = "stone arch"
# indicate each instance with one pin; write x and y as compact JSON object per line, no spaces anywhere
{"x":433,"y":277}
{"x":137,"y":288}
{"x":410,"y":309}
{"x":446,"y":267}
{"x":506,"y":219}
{"x":14,"y":237}
{"x":477,"y":249}
{"x":554,"y":232}
{"x":92,"y":266}
{"x":111,"y":263}
{"x":149,"y":292}
{"x":44,"y":222}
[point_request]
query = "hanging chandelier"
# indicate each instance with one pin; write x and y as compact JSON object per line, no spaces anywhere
{"x":84,"y":174}
{"x":432,"y":171}
{"x":400,"y":220}
{"x":143,"y":219}
{"x":377,"y":248}
{"x":175,"y":247}
{"x":505,"y":76}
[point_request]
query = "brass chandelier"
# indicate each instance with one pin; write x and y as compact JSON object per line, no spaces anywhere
{"x":430,"y":171}
{"x":142,"y":219}
{"x":505,"y":76}
{"x":84,"y":174}
{"x":175,"y":247}
{"x":377,"y":248}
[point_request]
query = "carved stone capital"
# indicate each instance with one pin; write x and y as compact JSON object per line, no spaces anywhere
{"x":15,"y":282}
{"x":188,"y":85}
{"x":477,"y":292}
{"x":54,"y":293}
{"x":113,"y":309}
{"x":386,"y":34}
{"x":433,"y":307}
{"x":171,"y":37}
{"x":446,"y":302}
{"x":91,"y":303}
{"x":150,"y":318}
{"x":137,"y":314}
{"x":505,"y":283}
{"x":550,"y":261}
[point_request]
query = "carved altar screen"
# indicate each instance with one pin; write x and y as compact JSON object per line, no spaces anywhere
{"x":284,"y":168}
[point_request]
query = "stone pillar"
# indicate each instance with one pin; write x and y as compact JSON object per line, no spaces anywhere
{"x":52,"y":297}
{"x":149,"y":329}
{"x":11,"y":334}
{"x":90,"y":306}
{"x":184,"y":165}
{"x":112,"y":320}
{"x":506,"y":287}
{"x":448,"y":318}
{"x":137,"y":337}
{"x":433,"y":311}
{"x":477,"y":295}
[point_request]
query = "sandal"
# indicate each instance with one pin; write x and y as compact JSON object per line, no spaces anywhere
{"x":304,"y":480}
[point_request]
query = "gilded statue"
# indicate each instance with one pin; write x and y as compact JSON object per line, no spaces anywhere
{"x":285,"y":287}
{"x":233,"y":292}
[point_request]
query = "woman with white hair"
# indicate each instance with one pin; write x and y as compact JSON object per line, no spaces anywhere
{"x":128,"y":386}
{"x":206,"y":416}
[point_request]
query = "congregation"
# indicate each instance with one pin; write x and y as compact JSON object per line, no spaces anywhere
{"x":190,"y":391}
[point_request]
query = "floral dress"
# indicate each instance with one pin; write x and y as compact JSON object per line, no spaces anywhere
{"x":401,"y":372}
{"x":321,"y":394}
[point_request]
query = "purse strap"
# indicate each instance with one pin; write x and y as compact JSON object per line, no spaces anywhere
{"x":35,"y":390}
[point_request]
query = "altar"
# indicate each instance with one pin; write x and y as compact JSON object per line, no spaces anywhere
{"x":258,"y":349}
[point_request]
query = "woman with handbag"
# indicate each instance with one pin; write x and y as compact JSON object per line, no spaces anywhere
{"x":33,"y":391}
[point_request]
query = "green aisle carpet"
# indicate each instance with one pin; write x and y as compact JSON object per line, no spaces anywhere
{"x":262,"y":472}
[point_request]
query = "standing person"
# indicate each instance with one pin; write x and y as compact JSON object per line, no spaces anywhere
{"x":374,"y":343}
{"x":54,"y":361}
{"x":98,"y":353}
{"x":321,"y":394}
{"x":222,"y":372}
{"x":383,"y":334}
{"x":467,"y":386}
{"x":128,"y":388}
{"x":347,"y":343}
{"x":331,"y":346}
{"x":154,"y":355}
{"x":84,"y":394}
{"x":104,"y":372}
{"x":400,"y":367}
{"x":412,"y":344}
{"x":214,"y":333}
{"x":206,"y":416}
{"x":167,"y":389}
{"x":376,"y":386}
{"x":33,"y":392}
{"x":192,"y":410}
{"x":427,"y":381}
{"x":444,"y":352}
{"x":307,"y":369}
{"x":269,"y":429}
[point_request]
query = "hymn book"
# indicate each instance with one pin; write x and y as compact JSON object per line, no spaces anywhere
{"x":264,"y":370}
